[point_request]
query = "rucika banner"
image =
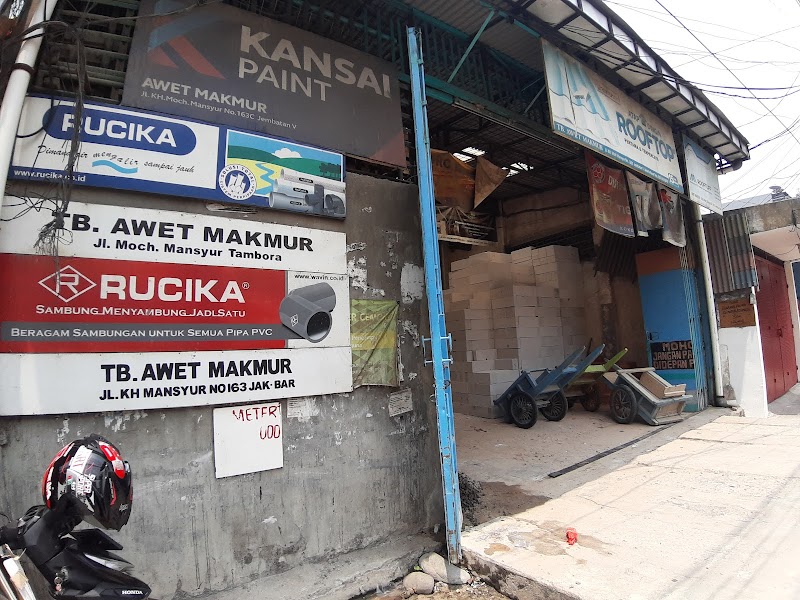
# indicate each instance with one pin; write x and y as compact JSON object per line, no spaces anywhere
{"x":92,"y":305}
{"x":156,"y":309}
{"x":142,"y":151}
{"x":218,"y":63}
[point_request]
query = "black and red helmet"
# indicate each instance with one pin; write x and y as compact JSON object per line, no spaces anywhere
{"x":93,"y":472}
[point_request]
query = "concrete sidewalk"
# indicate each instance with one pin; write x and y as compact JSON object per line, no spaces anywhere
{"x":714,"y":514}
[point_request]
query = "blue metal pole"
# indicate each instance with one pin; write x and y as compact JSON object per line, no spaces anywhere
{"x":440,"y":340}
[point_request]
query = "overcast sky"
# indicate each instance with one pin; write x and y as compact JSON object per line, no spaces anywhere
{"x":760,"y":42}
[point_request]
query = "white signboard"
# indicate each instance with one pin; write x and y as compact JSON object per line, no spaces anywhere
{"x":701,"y":170}
{"x":39,"y":384}
{"x":589,"y":110}
{"x":121,"y":321}
{"x":138,"y":234}
{"x":248,"y":439}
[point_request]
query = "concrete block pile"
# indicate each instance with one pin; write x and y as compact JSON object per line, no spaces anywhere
{"x":508,"y":312}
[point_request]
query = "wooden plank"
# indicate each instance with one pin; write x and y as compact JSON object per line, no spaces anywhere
{"x":465,"y":240}
{"x":659,"y":387}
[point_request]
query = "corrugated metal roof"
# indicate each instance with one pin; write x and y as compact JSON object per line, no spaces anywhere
{"x":745,"y":202}
{"x":718,"y":256}
{"x":730,"y":252}
{"x":755,"y":201}
{"x":591,"y":31}
{"x":551,"y":166}
{"x":467,"y":16}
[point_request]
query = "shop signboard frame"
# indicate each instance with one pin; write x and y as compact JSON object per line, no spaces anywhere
{"x":121,"y":322}
{"x":597,"y":115}
{"x":265,"y":76}
{"x":703,"y":179}
{"x":142,"y":151}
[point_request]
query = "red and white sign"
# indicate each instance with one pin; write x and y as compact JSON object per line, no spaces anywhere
{"x":90,"y":305}
{"x":153,"y":309}
{"x":248,"y":439}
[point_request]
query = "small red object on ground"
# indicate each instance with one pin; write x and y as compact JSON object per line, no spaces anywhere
{"x":572,"y":536}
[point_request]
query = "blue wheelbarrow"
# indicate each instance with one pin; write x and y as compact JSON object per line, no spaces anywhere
{"x":527,"y":396}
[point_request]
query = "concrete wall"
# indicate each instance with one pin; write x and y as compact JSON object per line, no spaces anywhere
{"x":352,"y":477}
{"x":742,"y":360}
{"x":774,"y":215}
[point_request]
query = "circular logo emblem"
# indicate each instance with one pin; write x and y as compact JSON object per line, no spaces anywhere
{"x":598,"y":172}
{"x":237,"y":182}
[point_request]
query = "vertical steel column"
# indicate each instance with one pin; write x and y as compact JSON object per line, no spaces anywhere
{"x":440,"y":339}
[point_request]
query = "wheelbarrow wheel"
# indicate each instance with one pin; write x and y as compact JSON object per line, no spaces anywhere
{"x":591,"y":401}
{"x":557,"y":409}
{"x":522,"y":409}
{"x":624,"y":404}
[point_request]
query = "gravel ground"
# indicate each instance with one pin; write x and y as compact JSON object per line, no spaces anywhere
{"x":478,"y":590}
{"x":474,"y":591}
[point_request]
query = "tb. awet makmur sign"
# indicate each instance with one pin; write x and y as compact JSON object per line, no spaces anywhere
{"x":217,"y":63}
{"x":589,"y":110}
{"x":148,"y":152}
{"x":151,"y":309}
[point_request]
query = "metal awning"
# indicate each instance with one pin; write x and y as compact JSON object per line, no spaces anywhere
{"x":592,"y":32}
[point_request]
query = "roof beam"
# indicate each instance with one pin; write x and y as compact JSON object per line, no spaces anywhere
{"x":474,"y":41}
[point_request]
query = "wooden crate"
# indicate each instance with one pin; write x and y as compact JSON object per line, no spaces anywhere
{"x":661,"y":388}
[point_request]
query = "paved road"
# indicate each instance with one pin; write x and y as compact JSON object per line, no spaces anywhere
{"x":712,"y":515}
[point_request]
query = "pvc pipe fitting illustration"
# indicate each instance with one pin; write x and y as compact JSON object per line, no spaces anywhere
{"x":307,"y":311}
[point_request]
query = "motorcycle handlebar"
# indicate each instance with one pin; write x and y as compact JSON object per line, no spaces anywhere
{"x":9,"y":534}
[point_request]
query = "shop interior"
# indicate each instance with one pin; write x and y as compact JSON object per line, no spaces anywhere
{"x":530,"y":279}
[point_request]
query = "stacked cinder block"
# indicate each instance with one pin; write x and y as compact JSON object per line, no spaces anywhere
{"x":477,"y":375}
{"x":503,"y":318}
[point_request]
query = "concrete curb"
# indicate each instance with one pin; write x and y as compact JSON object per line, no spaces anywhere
{"x":510,"y":583}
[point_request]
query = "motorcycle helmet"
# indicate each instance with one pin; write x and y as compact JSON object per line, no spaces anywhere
{"x":92,"y":473}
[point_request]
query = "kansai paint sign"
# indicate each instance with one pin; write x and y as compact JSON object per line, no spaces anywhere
{"x":265,"y":76}
{"x":244,"y":312}
{"x":147,"y":152}
{"x":589,"y":110}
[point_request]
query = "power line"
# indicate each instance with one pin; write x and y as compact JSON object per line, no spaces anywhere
{"x":622,"y":60}
{"x":729,"y":71}
{"x":761,"y":37}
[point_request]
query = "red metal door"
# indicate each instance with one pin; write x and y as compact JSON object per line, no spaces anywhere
{"x":785,"y":328}
{"x":777,"y":335}
{"x":773,"y":365}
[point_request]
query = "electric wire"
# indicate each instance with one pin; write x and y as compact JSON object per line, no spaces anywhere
{"x":769,"y":110}
{"x":622,"y":60}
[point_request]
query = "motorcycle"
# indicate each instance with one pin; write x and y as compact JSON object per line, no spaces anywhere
{"x":75,"y":563}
